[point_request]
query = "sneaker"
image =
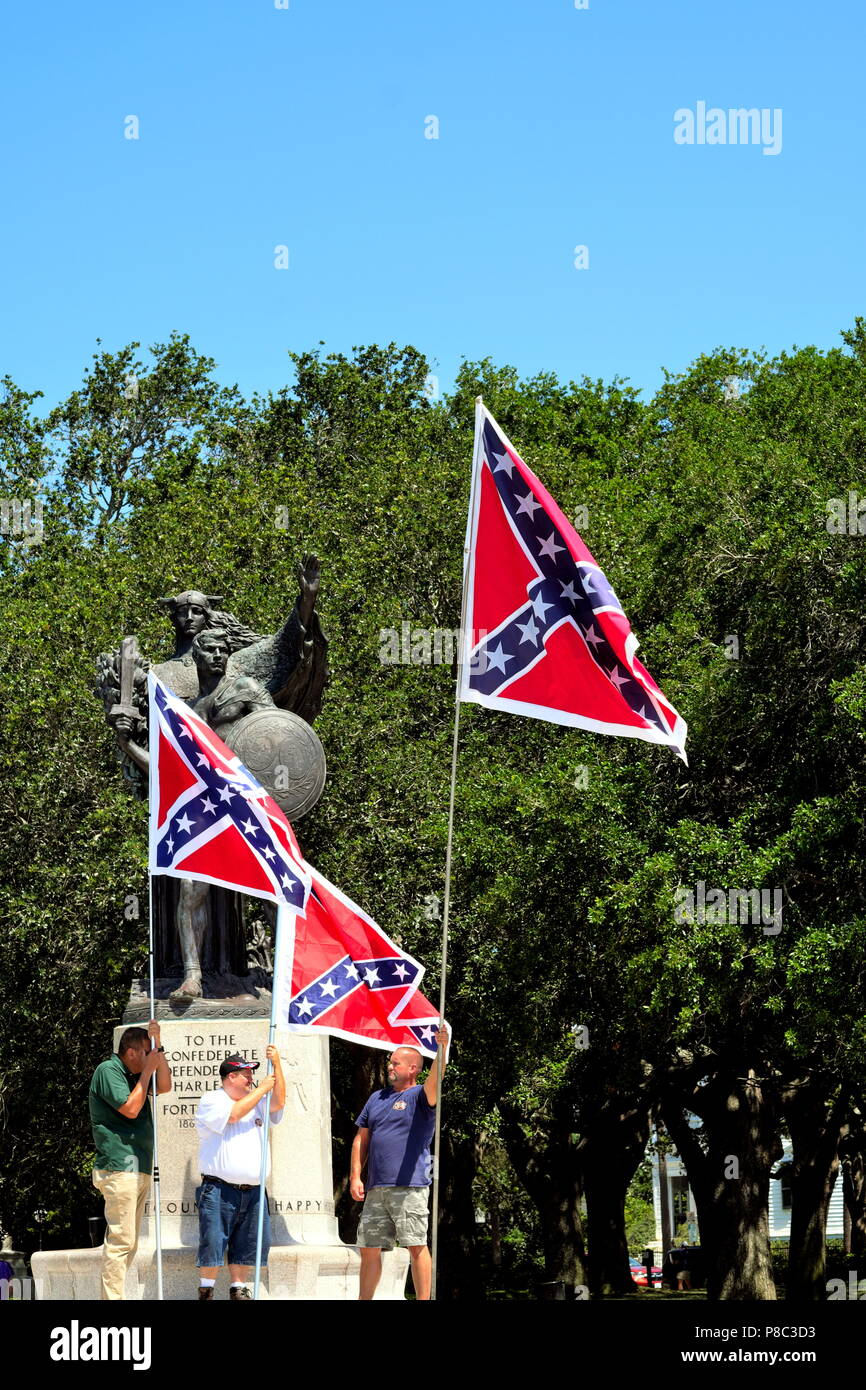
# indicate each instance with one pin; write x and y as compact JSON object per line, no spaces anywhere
{"x":204,"y":1294}
{"x":242,"y":1292}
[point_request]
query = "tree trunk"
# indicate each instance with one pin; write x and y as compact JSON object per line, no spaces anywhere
{"x":458,"y":1275}
{"x":545,"y":1156}
{"x":612,"y":1147}
{"x":816,"y":1129}
{"x":853,"y":1154}
{"x":730,"y":1178}
{"x":697,"y":1166}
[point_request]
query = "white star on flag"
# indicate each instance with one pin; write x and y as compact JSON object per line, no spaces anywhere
{"x":530,"y":632}
{"x":497,"y":657}
{"x":550,"y":548}
{"x":540,"y":606}
{"x":528,"y":505}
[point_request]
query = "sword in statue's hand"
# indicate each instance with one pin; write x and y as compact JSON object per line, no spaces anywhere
{"x":122,"y":717}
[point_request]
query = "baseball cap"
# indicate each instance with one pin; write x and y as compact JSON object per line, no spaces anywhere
{"x":236,"y":1063}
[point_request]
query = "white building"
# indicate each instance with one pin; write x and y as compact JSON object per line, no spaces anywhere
{"x":683,"y":1211}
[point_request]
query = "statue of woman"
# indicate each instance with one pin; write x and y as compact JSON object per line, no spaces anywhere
{"x":292,"y":663}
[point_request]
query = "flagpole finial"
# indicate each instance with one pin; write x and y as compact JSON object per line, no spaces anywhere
{"x":478,"y":400}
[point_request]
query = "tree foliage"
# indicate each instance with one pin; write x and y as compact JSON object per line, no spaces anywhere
{"x":711,"y":518}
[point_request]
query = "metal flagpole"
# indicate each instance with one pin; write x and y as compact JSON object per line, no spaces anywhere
{"x":465,"y":645}
{"x":440,"y":1056}
{"x":127,"y":662}
{"x":157,"y":1214}
{"x":285,"y":922}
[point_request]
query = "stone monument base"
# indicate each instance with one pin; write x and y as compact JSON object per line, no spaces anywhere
{"x":300,"y":1186}
{"x":307,"y":1258}
{"x":294,"y":1273}
{"x":225,"y":996}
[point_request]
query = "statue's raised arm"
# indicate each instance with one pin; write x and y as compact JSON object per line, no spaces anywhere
{"x":308,"y":582}
{"x":293,"y":664}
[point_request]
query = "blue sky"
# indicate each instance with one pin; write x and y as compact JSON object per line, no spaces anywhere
{"x":304,"y":127}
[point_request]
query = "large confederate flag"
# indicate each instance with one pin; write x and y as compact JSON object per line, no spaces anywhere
{"x":341,"y":974}
{"x":336,"y":971}
{"x":209,"y":817}
{"x":544,"y":632}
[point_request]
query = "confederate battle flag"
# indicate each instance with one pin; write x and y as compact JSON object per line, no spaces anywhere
{"x":339,"y":973}
{"x":209,"y":817}
{"x":544,"y":633}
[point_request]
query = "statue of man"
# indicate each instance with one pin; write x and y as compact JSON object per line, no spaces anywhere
{"x":222,"y":700}
{"x":225,"y":671}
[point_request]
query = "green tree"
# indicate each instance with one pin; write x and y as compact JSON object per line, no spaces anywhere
{"x":710,"y":519}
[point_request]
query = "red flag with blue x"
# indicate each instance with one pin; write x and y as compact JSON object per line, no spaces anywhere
{"x":544,"y":633}
{"x":338,"y":973}
{"x":209,"y":817}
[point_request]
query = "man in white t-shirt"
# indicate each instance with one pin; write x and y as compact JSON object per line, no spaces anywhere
{"x":230,"y":1124}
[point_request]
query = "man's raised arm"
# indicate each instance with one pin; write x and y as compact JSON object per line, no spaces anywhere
{"x":137,"y":1097}
{"x":278,"y":1099}
{"x":163,"y":1072}
{"x":251,"y":1099}
{"x":430,"y":1083}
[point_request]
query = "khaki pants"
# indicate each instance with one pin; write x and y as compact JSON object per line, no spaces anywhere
{"x":125,"y":1195}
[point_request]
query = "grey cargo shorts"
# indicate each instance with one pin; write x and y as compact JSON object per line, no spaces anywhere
{"x":394,"y":1214}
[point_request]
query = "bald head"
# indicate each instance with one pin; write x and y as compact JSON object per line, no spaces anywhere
{"x":409,"y":1054}
{"x":404,"y":1065}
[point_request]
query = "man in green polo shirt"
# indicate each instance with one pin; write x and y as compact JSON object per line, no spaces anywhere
{"x":122,"y":1123}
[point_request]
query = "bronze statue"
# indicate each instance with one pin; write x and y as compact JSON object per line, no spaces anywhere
{"x":260,"y":694}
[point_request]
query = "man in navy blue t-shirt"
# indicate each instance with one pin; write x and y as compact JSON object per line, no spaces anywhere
{"x":395,"y":1129}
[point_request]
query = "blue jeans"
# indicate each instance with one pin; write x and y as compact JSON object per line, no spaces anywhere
{"x":228,"y":1223}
